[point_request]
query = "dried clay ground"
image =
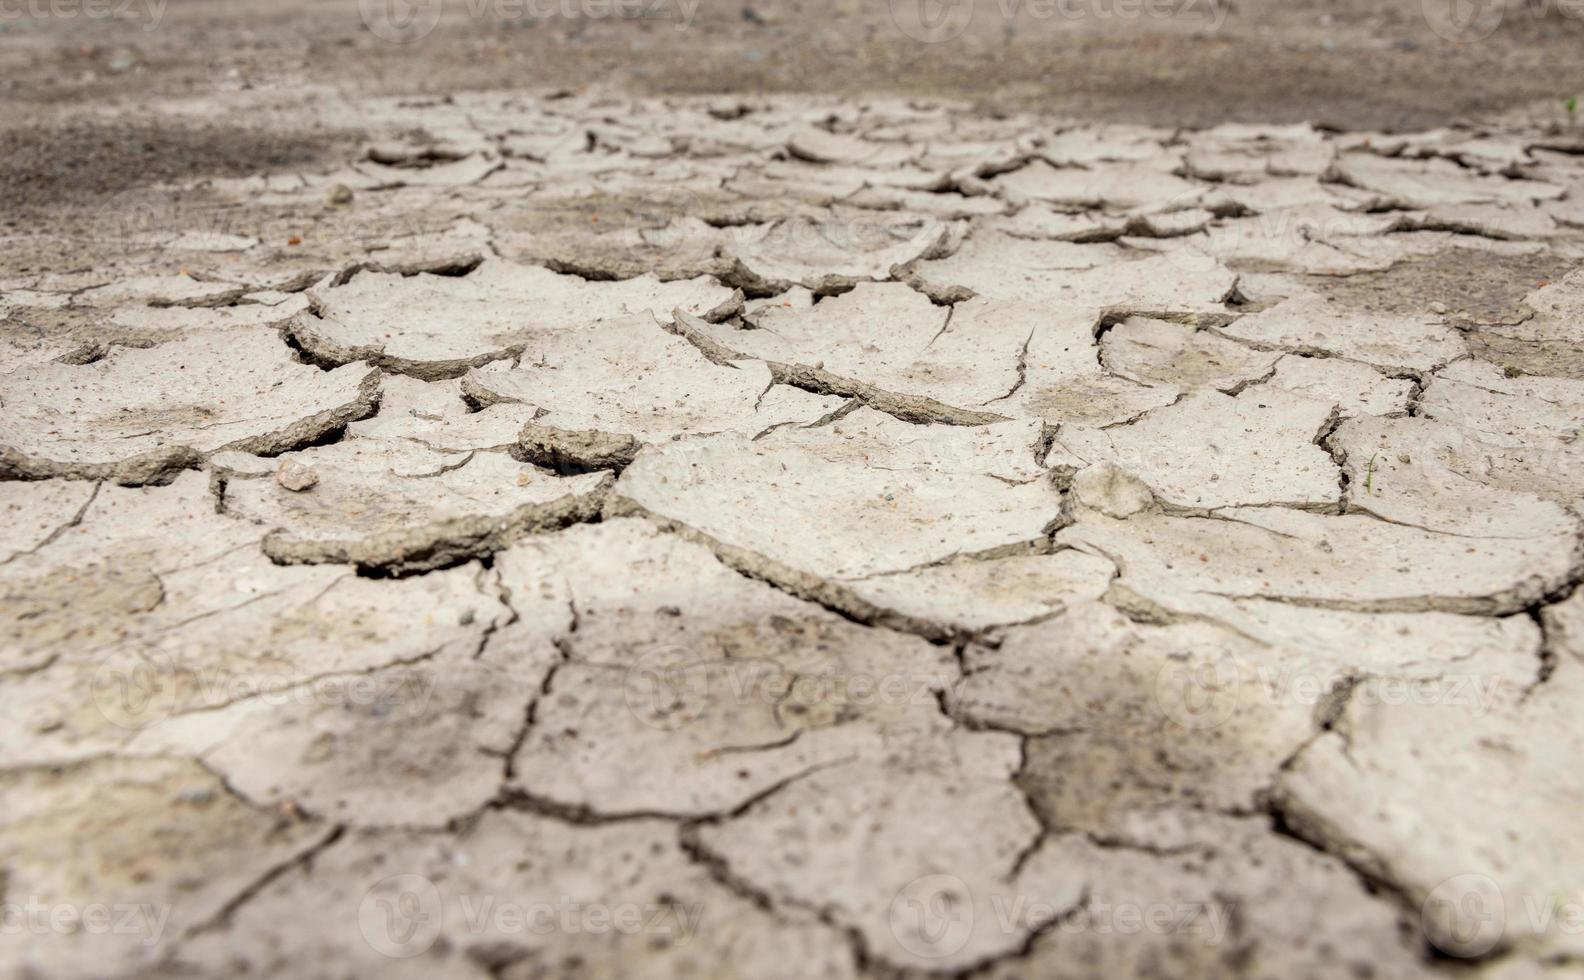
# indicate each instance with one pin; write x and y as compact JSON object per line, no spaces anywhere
{"x":768,"y":497}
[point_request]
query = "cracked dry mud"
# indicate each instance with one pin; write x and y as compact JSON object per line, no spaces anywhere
{"x":908,"y":542}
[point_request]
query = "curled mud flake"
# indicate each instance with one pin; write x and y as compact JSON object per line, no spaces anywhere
{"x":399,"y":507}
{"x":435,"y":327}
{"x":143,"y":415}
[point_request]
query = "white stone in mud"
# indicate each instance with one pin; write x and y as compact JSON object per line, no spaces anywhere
{"x":1427,"y":474}
{"x":831,"y":253}
{"x":294,"y":475}
{"x":1310,"y":325}
{"x":37,"y":512}
{"x":632,"y":382}
{"x":868,"y":841}
{"x":624,"y":899}
{"x":434,"y":415}
{"x":1349,"y":561}
{"x":1210,"y":450}
{"x":160,"y":843}
{"x":1356,"y":389}
{"x":1419,"y":791}
{"x":809,"y":516}
{"x":399,"y":506}
{"x":139,"y":414}
{"x":1159,"y":352}
{"x":438,"y":326}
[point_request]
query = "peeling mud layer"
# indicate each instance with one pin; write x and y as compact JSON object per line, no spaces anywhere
{"x":579,"y":535}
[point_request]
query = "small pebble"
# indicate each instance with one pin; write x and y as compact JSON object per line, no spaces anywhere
{"x":295,"y":476}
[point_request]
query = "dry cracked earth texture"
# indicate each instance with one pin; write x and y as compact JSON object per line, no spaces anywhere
{"x":784,"y":537}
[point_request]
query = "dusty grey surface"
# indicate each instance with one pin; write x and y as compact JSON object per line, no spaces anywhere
{"x":594,"y":534}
